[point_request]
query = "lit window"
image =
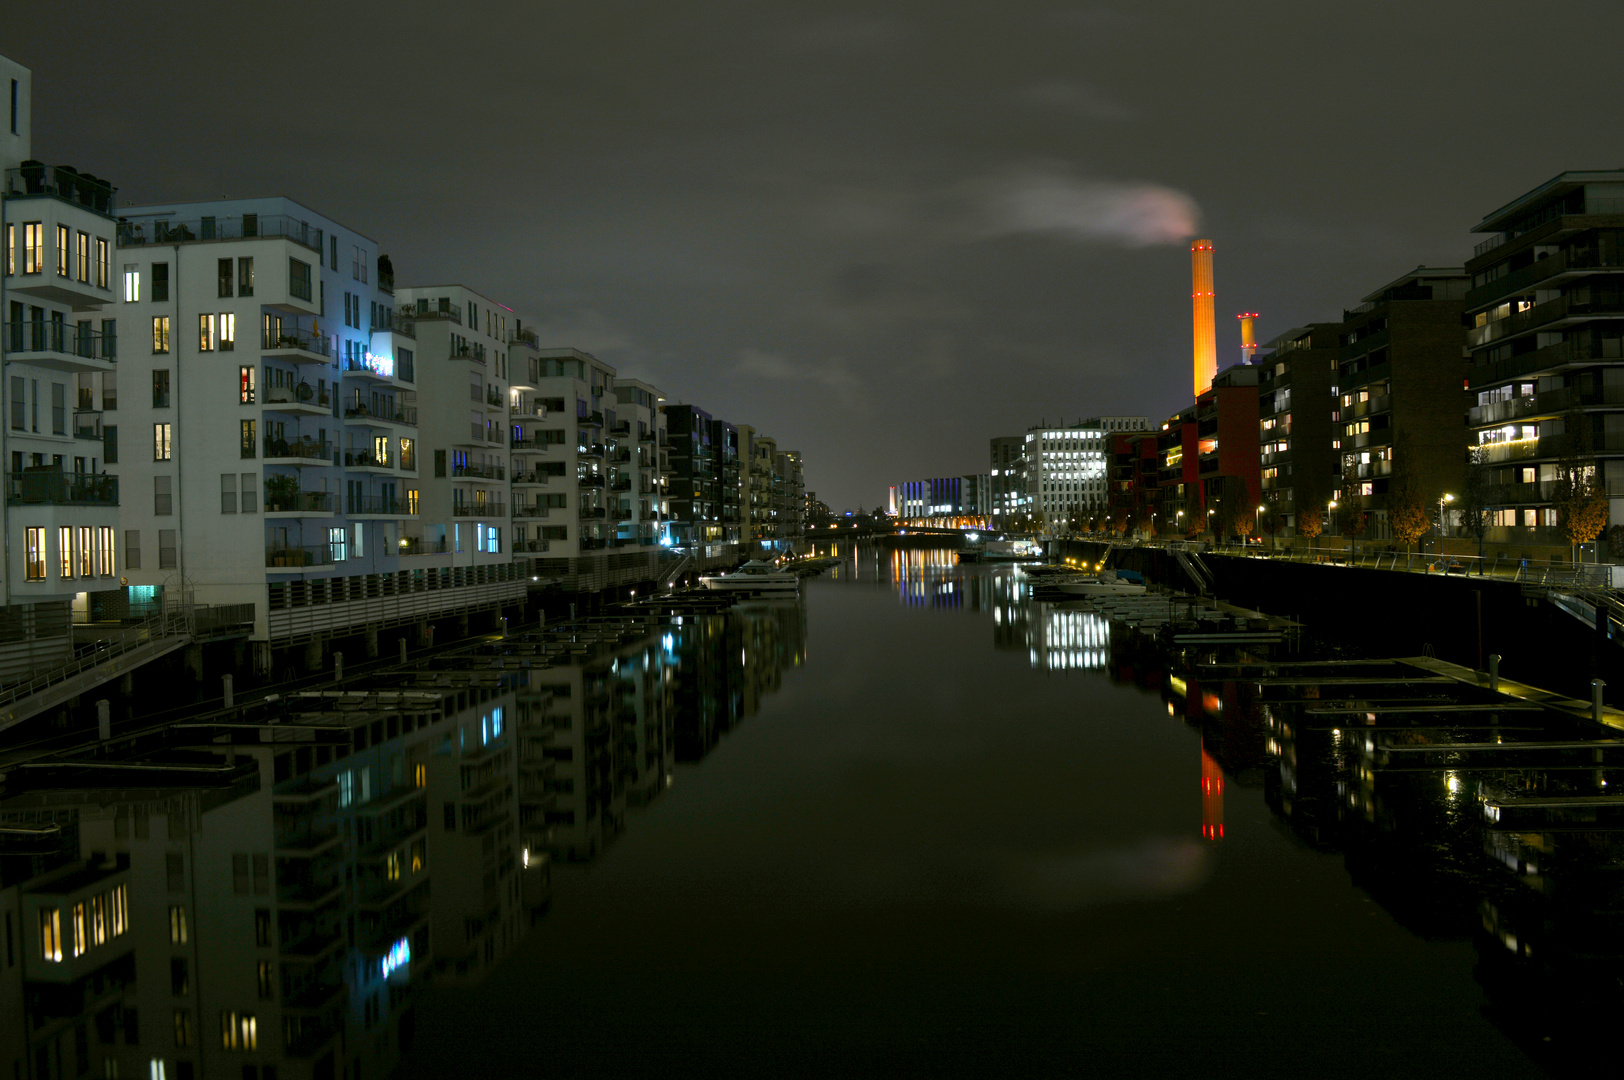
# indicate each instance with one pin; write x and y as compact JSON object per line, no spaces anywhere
{"x":177,"y":925}
{"x":50,"y":934}
{"x":132,"y":283}
{"x":205,"y":333}
{"x":227,"y":339}
{"x":34,"y":553}
{"x":80,"y":940}
{"x":33,"y":247}
{"x":86,"y":552}
{"x":64,"y":550}
{"x":104,"y":262}
{"x":82,"y":250}
{"x":63,"y":256}
{"x":160,"y":333}
{"x":161,"y":449}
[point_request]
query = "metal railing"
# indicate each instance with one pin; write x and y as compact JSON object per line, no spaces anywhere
{"x":53,"y":487}
{"x":167,"y":230}
{"x":160,"y":627}
{"x":319,"y":502}
{"x":487,"y":509}
{"x":299,"y":556}
{"x":303,"y":394}
{"x":61,"y":182}
{"x":288,"y":337}
{"x":74,"y":339}
{"x":300,"y":446}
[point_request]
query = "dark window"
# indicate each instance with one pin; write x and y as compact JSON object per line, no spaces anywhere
{"x":160,"y":388}
{"x":224,"y":268}
{"x":245,"y":276}
{"x":109,"y":329}
{"x":250,"y":224}
{"x":299,"y":279}
{"x":110,"y":443}
{"x":14,"y":106}
{"x":160,"y":281}
{"x":439,"y":463}
{"x":248,"y":438}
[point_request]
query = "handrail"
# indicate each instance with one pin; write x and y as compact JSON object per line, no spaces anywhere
{"x":157,"y":627}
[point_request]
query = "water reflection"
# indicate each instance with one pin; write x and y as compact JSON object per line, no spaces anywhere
{"x":266,"y":894}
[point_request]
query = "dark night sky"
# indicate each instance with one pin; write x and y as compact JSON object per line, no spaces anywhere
{"x":883,"y":232}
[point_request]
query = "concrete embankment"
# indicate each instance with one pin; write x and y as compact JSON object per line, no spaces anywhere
{"x":1388,"y":613}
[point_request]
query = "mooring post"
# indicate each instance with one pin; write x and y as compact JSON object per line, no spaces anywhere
{"x":1596,"y":687}
{"x":403,"y":648}
{"x":226,"y":691}
{"x":104,"y":719}
{"x":338,"y":667}
{"x":1494,"y":673}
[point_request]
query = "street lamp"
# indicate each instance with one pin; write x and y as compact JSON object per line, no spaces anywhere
{"x":1442,"y":520}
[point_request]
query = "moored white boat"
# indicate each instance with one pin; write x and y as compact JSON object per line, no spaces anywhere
{"x":753,"y":576}
{"x":1093,"y":586}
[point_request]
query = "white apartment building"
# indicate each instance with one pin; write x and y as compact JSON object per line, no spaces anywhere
{"x":1067,"y":468}
{"x":58,"y":343}
{"x":638,"y":491}
{"x":270,"y":424}
{"x":561,"y":436}
{"x":463,"y":363}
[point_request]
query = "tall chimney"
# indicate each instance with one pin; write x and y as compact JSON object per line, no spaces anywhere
{"x":1248,"y":336}
{"x":1205,"y":357}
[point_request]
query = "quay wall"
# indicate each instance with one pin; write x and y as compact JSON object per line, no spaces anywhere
{"x":1381,"y":613}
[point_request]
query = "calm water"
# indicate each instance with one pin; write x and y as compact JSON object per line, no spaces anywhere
{"x":952,"y":844}
{"x":912,"y":824}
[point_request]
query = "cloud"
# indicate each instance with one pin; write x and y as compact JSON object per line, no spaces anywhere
{"x":760,"y":364}
{"x":846,"y":33}
{"x":1074,"y":99}
{"x":1138,"y":215}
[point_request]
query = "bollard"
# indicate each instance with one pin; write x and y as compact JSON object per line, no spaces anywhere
{"x":1494,"y":673}
{"x":226,"y":691}
{"x":1596,"y":686}
{"x":338,"y":667}
{"x":104,"y":719}
{"x":403,"y":648}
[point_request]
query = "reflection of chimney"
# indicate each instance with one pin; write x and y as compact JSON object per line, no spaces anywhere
{"x":1248,"y":336}
{"x":1205,"y":330}
{"x":1212,"y":798}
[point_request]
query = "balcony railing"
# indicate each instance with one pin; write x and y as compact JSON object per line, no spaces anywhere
{"x":417,"y":545}
{"x":288,"y":337}
{"x":397,"y":321}
{"x":525,"y":337}
{"x":87,"y":424}
{"x":1551,"y":402}
{"x":485,"y":509}
{"x":308,"y":502}
{"x":377,"y":504}
{"x":53,"y":487}
{"x":480,"y":471}
{"x":303,"y":394}
{"x":61,"y":182}
{"x":591,"y":481}
{"x":75,"y":339}
{"x":298,"y":447}
{"x":592,"y":512}
{"x":528,"y":510}
{"x":450,"y":314}
{"x":398,"y":414}
{"x":534,"y":478}
{"x":367,"y":459}
{"x":246,"y":227}
{"x":308,"y":555}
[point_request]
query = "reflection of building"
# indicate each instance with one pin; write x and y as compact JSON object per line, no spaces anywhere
{"x":725,"y":665}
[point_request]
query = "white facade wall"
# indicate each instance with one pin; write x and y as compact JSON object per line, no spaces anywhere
{"x":1068,"y":468}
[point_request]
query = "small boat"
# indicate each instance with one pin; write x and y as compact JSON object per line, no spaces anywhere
{"x":754,"y":576}
{"x":1095,"y":586}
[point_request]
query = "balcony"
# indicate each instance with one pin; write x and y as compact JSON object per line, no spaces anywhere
{"x":59,"y":345}
{"x":525,"y":339}
{"x":493,"y":509}
{"x":299,"y":450}
{"x":368,"y":460}
{"x":533,"y":546}
{"x":303,"y":399}
{"x":476,"y":353}
{"x":541,"y":479}
{"x":417,"y":545}
{"x":397,"y":321}
{"x":87,"y":425}
{"x":533,"y":444}
{"x":298,"y":559}
{"x":49,"y":486}
{"x":298,"y":503}
{"x":296,"y":346}
{"x":531,"y":510}
{"x":365,"y":415}
{"x":480,"y":471}
{"x":1547,"y":361}
{"x":36,"y":180}
{"x":494,"y":399}
{"x":590,"y":481}
{"x":592,"y":512}
{"x":369,"y":366}
{"x":1551,"y":403}
{"x":246,"y":227}
{"x":448,"y":313}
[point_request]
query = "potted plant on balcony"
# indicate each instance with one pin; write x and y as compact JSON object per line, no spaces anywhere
{"x":281,"y":492}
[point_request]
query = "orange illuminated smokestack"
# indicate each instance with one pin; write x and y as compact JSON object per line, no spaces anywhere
{"x":1206,"y":332}
{"x":1248,"y":336}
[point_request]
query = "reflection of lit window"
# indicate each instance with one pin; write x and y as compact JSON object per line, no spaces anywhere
{"x":50,"y":935}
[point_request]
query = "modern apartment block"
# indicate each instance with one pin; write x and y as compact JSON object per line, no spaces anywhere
{"x":696,"y":507}
{"x":1546,"y":334}
{"x":1067,"y":468}
{"x":639,"y":487}
{"x":59,"y":346}
{"x":1297,"y":407}
{"x":462,"y":368}
{"x":1400,"y":378}
{"x":1008,"y":475}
